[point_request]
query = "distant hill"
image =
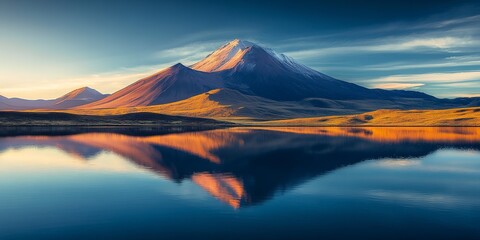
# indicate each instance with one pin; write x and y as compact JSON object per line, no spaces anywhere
{"x":74,"y":98}
{"x":78,"y":97}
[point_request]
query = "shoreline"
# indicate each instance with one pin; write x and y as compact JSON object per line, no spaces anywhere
{"x":463,"y":117}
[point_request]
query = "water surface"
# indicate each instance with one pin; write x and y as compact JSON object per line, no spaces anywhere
{"x":281,"y":183}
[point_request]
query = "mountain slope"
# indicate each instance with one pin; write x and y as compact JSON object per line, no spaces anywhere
{"x":226,"y":103}
{"x":6,"y":106}
{"x":172,"y":84}
{"x":23,"y":104}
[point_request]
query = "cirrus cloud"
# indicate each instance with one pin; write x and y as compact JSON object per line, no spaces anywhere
{"x":398,"y":85}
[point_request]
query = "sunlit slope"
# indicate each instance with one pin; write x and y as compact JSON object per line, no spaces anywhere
{"x":231,"y":105}
{"x":169,"y":85}
{"x":225,"y":103}
{"x":448,"y":117}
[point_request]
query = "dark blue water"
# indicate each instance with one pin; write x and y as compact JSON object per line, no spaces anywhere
{"x":282,"y":183}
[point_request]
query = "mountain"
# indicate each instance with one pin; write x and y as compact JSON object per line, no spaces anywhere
{"x":24,"y":104}
{"x":172,"y":84}
{"x":245,"y":67}
{"x":254,"y":70}
{"x":242,"y":79}
{"x":78,"y":97}
{"x":4,"y":105}
{"x":74,"y":98}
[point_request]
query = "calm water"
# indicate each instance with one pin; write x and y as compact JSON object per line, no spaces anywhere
{"x":341,"y":183}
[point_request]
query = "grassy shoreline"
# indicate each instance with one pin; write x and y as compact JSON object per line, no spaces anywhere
{"x":458,"y":117}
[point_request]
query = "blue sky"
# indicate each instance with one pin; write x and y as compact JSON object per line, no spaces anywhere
{"x":51,"y":47}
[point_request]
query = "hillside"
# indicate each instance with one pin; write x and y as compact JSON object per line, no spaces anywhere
{"x":231,"y":105}
{"x":226,"y":104}
{"x":447,"y":117}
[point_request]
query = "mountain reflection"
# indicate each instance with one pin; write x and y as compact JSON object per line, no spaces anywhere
{"x":246,"y":166}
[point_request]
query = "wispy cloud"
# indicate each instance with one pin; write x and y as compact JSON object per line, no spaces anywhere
{"x":397,"y":85}
{"x":454,"y":61}
{"x":416,"y":46}
{"x":398,"y":44}
{"x":430,"y":78}
{"x":187,"y":54}
{"x":468,"y":95}
{"x":455,"y":84}
{"x":112,"y":81}
{"x":107,"y":82}
{"x":438,"y":56}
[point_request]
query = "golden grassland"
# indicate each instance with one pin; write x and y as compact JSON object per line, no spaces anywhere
{"x":214,"y":110}
{"x":222,"y":104}
{"x":197,"y":106}
{"x":446,"y":117}
{"x":232,"y":106}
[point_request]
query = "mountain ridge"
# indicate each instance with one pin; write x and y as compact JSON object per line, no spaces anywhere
{"x":172,"y":84}
{"x":77,"y":97}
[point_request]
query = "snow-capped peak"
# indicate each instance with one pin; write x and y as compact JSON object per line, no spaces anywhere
{"x":233,"y":54}
{"x":242,"y":44}
{"x":219,"y":59}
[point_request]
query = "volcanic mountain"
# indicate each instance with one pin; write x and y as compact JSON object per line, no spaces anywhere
{"x":74,"y":98}
{"x":253,"y":70}
{"x":249,"y":69}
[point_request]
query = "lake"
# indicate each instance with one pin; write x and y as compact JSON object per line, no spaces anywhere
{"x":240,"y":183}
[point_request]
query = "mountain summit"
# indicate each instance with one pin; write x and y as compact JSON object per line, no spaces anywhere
{"x":225,"y":57}
{"x":245,"y":54}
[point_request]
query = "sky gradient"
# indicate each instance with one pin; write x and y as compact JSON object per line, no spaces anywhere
{"x":51,"y":47}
